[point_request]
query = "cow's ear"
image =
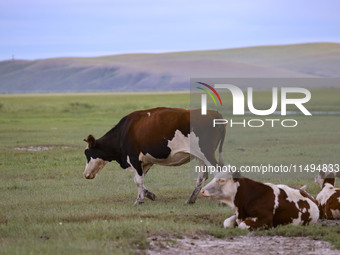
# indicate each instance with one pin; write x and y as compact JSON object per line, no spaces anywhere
{"x":91,"y":141}
{"x":322,"y":174}
{"x":236,"y":175}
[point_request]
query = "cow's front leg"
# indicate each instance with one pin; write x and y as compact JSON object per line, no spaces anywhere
{"x":230,"y":222}
{"x":202,"y":176}
{"x":256,"y":222}
{"x":139,"y":180}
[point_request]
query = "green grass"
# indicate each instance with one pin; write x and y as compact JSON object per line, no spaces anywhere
{"x":47,"y":207}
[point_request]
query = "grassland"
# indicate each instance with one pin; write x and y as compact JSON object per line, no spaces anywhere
{"x":47,"y":207}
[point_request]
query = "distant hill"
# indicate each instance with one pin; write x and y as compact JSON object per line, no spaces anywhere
{"x":167,"y":71}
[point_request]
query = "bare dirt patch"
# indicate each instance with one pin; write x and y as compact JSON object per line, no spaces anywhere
{"x":255,"y":245}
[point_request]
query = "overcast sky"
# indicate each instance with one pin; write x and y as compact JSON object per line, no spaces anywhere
{"x":34,"y":29}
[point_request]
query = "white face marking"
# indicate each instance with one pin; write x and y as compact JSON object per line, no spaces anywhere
{"x":327,"y":191}
{"x":230,"y":222}
{"x":319,"y":180}
{"x":229,"y":192}
{"x":223,"y":189}
{"x":149,"y":114}
{"x":93,"y":167}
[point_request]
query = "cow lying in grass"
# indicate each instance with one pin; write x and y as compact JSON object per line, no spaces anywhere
{"x":329,"y":197}
{"x":259,"y":204}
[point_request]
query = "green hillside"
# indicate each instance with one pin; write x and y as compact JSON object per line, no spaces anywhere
{"x":167,"y":71}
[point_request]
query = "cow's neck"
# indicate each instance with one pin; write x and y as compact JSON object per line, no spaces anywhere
{"x":331,"y":181}
{"x":111,"y":142}
{"x":247,"y":191}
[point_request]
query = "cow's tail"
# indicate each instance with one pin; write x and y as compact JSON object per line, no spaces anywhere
{"x":220,"y":149}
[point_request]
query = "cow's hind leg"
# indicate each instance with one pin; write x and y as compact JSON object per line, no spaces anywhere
{"x":148,"y":193}
{"x":202,"y":176}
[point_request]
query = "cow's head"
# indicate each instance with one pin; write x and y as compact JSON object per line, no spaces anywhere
{"x":94,"y":159}
{"x":222,"y":187}
{"x":325,"y":177}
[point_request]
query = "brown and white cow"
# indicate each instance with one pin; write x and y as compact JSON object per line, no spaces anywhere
{"x":329,"y":196}
{"x":164,"y":136}
{"x":259,"y":204}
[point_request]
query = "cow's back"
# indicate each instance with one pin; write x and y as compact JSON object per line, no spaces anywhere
{"x":295,"y":206}
{"x":149,"y":131}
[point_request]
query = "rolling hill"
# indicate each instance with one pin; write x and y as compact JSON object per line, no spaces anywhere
{"x":167,"y":71}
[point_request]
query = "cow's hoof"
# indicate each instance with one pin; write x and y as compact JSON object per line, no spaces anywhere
{"x":190,"y":201}
{"x":139,"y":202}
{"x":150,"y":195}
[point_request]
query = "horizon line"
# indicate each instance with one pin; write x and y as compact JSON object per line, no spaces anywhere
{"x":147,"y":52}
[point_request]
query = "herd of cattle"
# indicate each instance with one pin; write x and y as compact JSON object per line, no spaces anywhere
{"x":259,"y":204}
{"x":174,"y":136}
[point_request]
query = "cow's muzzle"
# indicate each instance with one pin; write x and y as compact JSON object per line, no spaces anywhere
{"x":89,"y":176}
{"x":204,"y":193}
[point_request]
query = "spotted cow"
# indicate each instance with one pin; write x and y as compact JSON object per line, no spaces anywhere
{"x":164,"y":136}
{"x":329,"y":196}
{"x":259,"y":204}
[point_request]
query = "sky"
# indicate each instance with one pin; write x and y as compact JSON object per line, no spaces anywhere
{"x":36,"y":29}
